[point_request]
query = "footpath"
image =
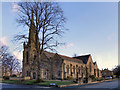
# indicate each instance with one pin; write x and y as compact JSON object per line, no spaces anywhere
{"x":84,"y":84}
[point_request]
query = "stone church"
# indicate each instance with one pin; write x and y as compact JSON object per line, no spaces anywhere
{"x":54,"y":65}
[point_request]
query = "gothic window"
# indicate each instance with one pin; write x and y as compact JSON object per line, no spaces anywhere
{"x":98,"y":72}
{"x":42,"y":65}
{"x":82,"y":69}
{"x":67,"y":69}
{"x":95,"y":72}
{"x":90,"y":67}
{"x":34,"y":75}
{"x":34,"y":57}
{"x":27,"y":57}
{"x":73,"y":69}
{"x":27,"y":73}
{"x":64,"y":67}
{"x":79,"y":70}
{"x":45,"y":73}
{"x":59,"y":74}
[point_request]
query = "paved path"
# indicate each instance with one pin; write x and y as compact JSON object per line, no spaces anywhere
{"x":106,"y":84}
{"x":5,"y":85}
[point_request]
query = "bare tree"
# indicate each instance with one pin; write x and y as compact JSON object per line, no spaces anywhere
{"x":13,"y":64}
{"x":3,"y":59}
{"x":48,"y":23}
{"x":9,"y":62}
{"x":19,"y":69}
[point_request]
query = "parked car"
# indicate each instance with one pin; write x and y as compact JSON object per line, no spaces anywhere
{"x":108,"y":77}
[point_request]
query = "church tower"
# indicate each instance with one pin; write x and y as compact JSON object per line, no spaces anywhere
{"x":29,"y":53}
{"x":31,"y":39}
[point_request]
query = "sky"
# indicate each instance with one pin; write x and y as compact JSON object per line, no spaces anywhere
{"x":93,"y":29}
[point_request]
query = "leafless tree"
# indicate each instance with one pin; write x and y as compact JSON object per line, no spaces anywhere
{"x":3,"y":59}
{"x":9,"y":62}
{"x":19,"y":69}
{"x":13,"y":64}
{"x":49,"y":23}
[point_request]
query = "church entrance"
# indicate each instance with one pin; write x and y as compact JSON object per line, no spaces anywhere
{"x":34,"y":75}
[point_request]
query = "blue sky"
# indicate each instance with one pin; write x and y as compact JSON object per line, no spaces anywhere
{"x":93,"y":29}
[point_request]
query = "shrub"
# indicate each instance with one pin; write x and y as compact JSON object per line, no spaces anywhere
{"x":69,"y":77}
{"x":6,"y":77}
{"x":100,"y":79}
{"x":40,"y":80}
{"x":65,"y":78}
{"x":92,"y":77}
{"x":14,"y":75}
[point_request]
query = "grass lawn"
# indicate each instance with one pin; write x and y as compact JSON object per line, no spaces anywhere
{"x":19,"y":82}
{"x":56,"y":82}
{"x":32,"y":82}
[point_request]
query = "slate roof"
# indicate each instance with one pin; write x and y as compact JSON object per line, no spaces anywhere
{"x":84,"y":58}
{"x":94,"y":63}
{"x":70,"y":59}
{"x":50,"y":54}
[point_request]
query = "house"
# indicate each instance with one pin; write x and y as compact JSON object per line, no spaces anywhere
{"x":107,"y":73}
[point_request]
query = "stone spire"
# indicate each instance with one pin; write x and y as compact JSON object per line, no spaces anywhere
{"x":31,"y":40}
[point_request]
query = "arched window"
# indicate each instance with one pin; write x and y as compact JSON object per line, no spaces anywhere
{"x":90,"y":67}
{"x":28,"y":74}
{"x":73,"y":69}
{"x":34,"y":75}
{"x":98,"y":72}
{"x":79,"y":70}
{"x":27,"y":57}
{"x":59,"y":73}
{"x":95,"y":72}
{"x":34,"y":57}
{"x":67,"y":69}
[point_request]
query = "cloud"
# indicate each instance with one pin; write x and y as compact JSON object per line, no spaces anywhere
{"x":3,"y":41}
{"x":15,"y":7}
{"x":18,"y":55}
{"x":69,"y":45}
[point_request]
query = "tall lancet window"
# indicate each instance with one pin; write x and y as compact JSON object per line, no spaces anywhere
{"x":90,"y":66}
{"x":27,"y":57}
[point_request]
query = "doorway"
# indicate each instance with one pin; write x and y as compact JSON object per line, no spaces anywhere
{"x":34,"y":75}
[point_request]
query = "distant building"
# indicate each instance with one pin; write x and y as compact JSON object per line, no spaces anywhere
{"x":54,"y":65}
{"x":107,"y":73}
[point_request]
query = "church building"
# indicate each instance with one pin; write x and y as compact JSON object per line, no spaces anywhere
{"x":53,"y":65}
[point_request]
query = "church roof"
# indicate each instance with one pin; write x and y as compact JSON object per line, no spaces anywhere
{"x":94,"y":63}
{"x":50,"y":54}
{"x":70,"y":58}
{"x":84,"y":58}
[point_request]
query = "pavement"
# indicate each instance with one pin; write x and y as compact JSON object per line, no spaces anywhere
{"x":114,"y":84}
{"x":5,"y":85}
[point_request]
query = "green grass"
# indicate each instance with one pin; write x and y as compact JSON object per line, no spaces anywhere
{"x":19,"y":82}
{"x":56,"y":82}
{"x":32,"y":82}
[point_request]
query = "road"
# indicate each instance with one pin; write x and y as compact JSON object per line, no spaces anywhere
{"x":106,"y":84}
{"x":5,"y":85}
